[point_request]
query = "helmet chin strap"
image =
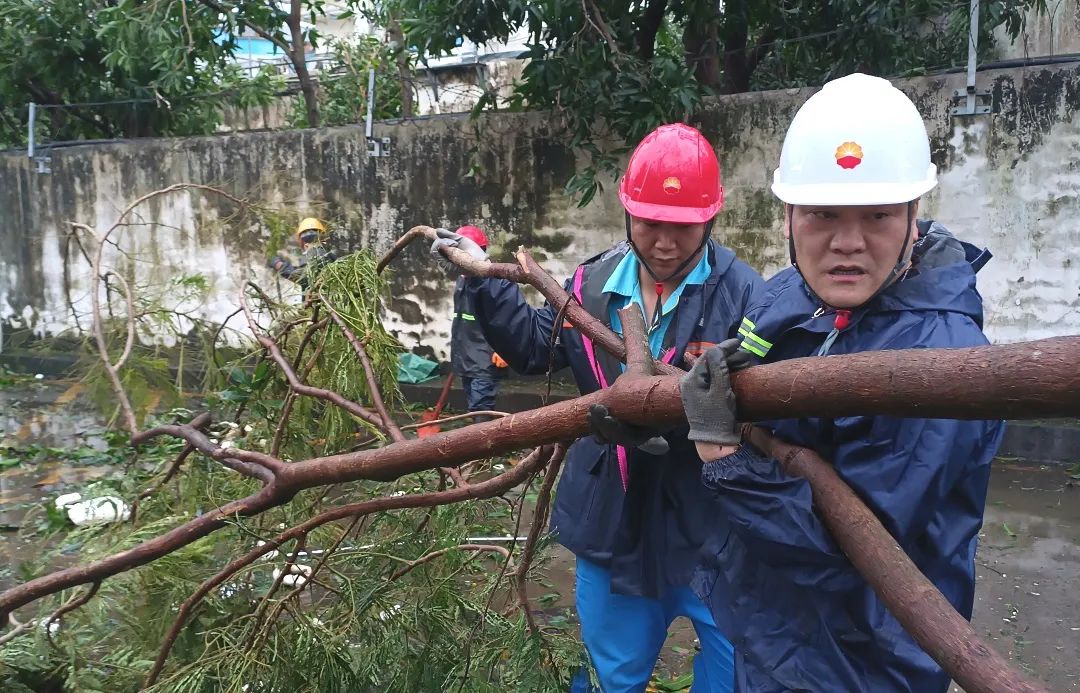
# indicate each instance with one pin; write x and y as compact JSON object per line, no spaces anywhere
{"x":659,"y":282}
{"x":898,"y":269}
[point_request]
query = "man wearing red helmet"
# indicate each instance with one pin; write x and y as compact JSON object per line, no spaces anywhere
{"x":471,"y":357}
{"x":635,"y":516}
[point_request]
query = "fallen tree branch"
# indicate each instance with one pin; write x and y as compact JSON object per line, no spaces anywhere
{"x":286,"y":368}
{"x":526,"y":271}
{"x":247,"y":462}
{"x":487,"y":489}
{"x":916,"y":602}
{"x":97,"y":325}
{"x":199,"y":422}
{"x":290,"y":398}
{"x":1025,"y":380}
{"x":97,"y":274}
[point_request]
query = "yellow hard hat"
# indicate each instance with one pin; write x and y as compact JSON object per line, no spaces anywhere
{"x":309,"y":224}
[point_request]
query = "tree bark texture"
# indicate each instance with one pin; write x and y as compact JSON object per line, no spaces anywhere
{"x":915,"y":602}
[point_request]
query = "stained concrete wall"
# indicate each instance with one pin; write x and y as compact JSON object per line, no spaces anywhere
{"x":1008,"y":181}
{"x":1053,"y":32}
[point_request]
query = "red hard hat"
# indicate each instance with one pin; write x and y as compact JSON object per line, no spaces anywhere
{"x":474,"y":234}
{"x":673,"y":176}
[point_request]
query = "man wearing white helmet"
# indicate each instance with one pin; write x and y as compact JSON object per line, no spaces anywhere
{"x":866,"y":275}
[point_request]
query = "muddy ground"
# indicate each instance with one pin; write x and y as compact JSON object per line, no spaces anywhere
{"x":1028,"y":593}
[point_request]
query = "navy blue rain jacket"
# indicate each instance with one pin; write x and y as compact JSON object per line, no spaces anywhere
{"x":800,"y":616}
{"x":648,"y":535}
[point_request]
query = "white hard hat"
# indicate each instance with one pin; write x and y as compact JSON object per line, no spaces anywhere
{"x":858,"y":141}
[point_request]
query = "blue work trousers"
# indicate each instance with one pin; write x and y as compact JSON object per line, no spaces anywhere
{"x":623,"y":635}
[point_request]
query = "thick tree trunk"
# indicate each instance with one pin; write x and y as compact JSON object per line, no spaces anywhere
{"x":701,"y":48}
{"x":299,"y":61}
{"x":401,"y":57}
{"x":651,"y":21}
{"x":1025,"y":380}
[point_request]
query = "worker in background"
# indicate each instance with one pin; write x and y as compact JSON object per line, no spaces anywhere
{"x":635,"y":515}
{"x":471,"y":358}
{"x":866,"y":275}
{"x":314,"y":253}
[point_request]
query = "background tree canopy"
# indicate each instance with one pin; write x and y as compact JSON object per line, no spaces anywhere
{"x":620,"y":68}
{"x":611,"y":69}
{"x":155,"y":68}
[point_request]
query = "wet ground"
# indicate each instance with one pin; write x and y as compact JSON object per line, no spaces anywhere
{"x":1028,"y":591}
{"x":1027,"y":602}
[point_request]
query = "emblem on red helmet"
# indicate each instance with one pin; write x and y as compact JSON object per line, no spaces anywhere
{"x":673,"y":176}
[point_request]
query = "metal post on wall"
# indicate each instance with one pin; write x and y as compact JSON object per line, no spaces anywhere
{"x":31,"y":141}
{"x":375,"y":146}
{"x":968,"y":99}
{"x":30,"y":119}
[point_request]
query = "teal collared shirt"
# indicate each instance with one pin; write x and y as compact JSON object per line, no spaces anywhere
{"x":625,"y":286}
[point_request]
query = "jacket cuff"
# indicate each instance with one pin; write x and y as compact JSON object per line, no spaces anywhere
{"x":718,"y":471}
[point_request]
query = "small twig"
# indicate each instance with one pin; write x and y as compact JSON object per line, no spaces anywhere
{"x":290,"y":399}
{"x":315,"y":326}
{"x":99,"y":334}
{"x":264,"y":603}
{"x":165,"y":191}
{"x":129,"y":343}
{"x":599,"y":25}
{"x":556,"y":328}
{"x":169,"y":474}
{"x":540,"y":517}
{"x":17,"y":629}
{"x":217,"y":334}
{"x":369,"y":372}
{"x":505,"y":565}
{"x":310,"y":578}
{"x":455,"y":475}
{"x":487,"y":413}
{"x":986,"y":565}
{"x":187,"y":27}
{"x":427,"y":516}
{"x":67,"y":608}
{"x":405,"y":569}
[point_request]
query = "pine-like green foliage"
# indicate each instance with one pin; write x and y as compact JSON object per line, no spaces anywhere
{"x":449,"y":624}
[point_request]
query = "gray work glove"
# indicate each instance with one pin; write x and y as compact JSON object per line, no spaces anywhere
{"x":707,"y":396}
{"x":449,"y":239}
{"x":279,"y":263}
{"x":607,"y":429}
